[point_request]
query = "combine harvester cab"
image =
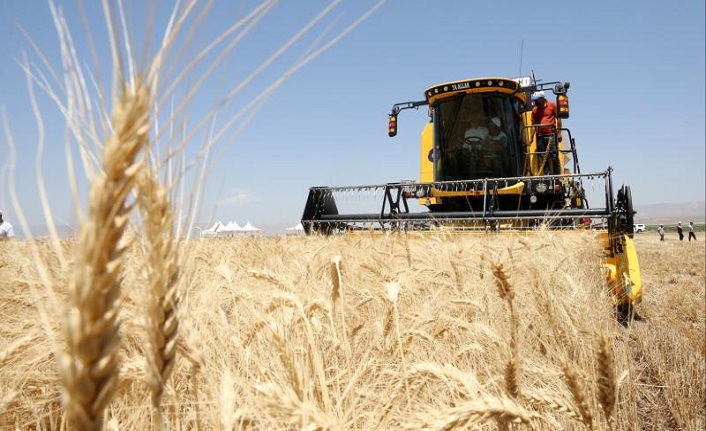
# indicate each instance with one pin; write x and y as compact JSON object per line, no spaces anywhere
{"x":481,"y":168}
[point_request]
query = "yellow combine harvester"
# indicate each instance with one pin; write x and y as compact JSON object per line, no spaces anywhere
{"x":481,"y":169}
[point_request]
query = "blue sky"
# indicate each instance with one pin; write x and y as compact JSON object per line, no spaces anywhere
{"x":637,"y":92}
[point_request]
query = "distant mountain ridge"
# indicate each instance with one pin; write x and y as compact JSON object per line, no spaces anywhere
{"x":671,"y":213}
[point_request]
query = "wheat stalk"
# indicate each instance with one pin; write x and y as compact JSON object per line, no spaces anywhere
{"x":336,"y":297}
{"x":89,"y":370}
{"x":161,"y":272}
{"x":313,"y":350}
{"x":290,"y":367}
{"x":393,"y":292}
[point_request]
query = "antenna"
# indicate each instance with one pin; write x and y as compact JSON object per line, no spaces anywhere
{"x":522,"y":50}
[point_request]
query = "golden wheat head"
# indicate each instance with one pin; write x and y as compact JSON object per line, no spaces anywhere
{"x":161,"y":273}
{"x":90,"y":370}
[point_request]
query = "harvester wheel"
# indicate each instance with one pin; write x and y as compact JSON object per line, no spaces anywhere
{"x":630,"y":216}
{"x":626,"y":314}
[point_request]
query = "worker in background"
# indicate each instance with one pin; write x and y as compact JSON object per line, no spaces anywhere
{"x":680,"y":231}
{"x":660,"y":231}
{"x":544,"y":117}
{"x":477,"y":130}
{"x":691,"y":231}
{"x":473,"y":138}
{"x":6,"y":231}
{"x":496,"y":135}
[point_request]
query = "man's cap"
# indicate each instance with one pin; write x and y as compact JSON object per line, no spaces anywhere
{"x":538,"y":95}
{"x":496,"y":121}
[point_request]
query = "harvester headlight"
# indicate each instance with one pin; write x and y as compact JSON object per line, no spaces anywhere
{"x":420,"y":193}
{"x":533,"y":199}
{"x":541,"y":187}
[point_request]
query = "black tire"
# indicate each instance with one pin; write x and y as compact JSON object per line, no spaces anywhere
{"x":626,"y":314}
{"x":626,"y":217}
{"x":630,"y":216}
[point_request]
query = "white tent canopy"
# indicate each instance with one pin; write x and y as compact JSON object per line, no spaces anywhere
{"x":298,"y":229}
{"x":233,"y":226}
{"x":213,"y":230}
{"x":230,"y":229}
{"x":250,"y":228}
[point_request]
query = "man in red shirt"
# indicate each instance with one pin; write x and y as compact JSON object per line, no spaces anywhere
{"x":544,"y":117}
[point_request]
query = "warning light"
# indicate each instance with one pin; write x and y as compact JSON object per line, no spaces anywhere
{"x":562,"y":104}
{"x":392,"y":125}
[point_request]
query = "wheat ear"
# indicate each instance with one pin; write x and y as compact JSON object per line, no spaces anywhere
{"x":337,"y":297}
{"x":17,"y":348}
{"x":606,"y":378}
{"x":487,"y":408}
{"x":579,"y":394}
{"x":161,"y":272}
{"x":553,"y":403}
{"x":89,"y":370}
{"x":506,"y":291}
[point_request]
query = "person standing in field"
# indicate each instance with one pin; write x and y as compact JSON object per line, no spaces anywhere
{"x":544,"y":117}
{"x":691,"y":231}
{"x":680,"y":231}
{"x":6,"y":231}
{"x":661,"y":232}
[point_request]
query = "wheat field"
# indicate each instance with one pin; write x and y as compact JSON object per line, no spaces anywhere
{"x":129,"y":325}
{"x":443,"y":331}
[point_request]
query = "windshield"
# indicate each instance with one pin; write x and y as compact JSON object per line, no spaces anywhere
{"x":477,"y":136}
